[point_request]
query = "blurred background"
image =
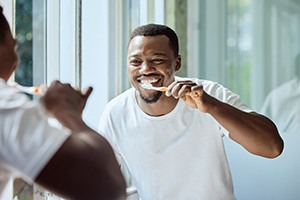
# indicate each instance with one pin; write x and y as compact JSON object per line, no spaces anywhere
{"x":249,"y":46}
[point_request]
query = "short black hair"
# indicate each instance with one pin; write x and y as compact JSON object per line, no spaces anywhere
{"x":3,"y":25}
{"x":156,"y":30}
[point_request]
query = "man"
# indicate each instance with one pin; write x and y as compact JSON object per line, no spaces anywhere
{"x":75,"y":163}
{"x":171,"y":142}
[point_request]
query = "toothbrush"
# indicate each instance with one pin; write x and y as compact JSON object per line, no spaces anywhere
{"x":148,"y":86}
{"x":34,"y":90}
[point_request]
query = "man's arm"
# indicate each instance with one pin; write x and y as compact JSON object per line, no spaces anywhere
{"x":253,"y":131}
{"x":85,"y":166}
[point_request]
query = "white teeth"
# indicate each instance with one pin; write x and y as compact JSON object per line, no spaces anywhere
{"x":149,"y":81}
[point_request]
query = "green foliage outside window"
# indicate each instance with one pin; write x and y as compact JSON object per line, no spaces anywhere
{"x":23,"y":32}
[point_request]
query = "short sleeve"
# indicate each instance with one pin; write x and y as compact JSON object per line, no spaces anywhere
{"x":27,"y":141}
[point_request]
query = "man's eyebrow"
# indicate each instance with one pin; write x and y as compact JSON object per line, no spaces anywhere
{"x":133,"y":56}
{"x":138,"y":55}
{"x":160,"y":54}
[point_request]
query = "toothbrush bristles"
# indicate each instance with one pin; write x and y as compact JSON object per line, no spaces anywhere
{"x":151,"y":87}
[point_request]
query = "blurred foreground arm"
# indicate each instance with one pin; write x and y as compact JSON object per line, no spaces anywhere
{"x":85,"y":166}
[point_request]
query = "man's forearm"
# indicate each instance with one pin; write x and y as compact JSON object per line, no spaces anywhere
{"x":254,"y":132}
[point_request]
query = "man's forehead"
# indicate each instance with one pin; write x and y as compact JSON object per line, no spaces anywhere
{"x":154,"y":37}
{"x":159,"y":40}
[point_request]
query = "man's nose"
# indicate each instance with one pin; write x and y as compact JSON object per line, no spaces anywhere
{"x":147,"y":67}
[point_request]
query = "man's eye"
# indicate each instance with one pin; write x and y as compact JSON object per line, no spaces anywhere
{"x":135,"y":62}
{"x":157,"y":61}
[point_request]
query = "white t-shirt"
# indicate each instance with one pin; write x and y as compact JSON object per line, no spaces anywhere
{"x":27,"y":141}
{"x":179,"y":155}
{"x":282,"y":106}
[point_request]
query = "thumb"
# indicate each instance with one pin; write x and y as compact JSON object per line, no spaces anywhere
{"x":87,"y":92}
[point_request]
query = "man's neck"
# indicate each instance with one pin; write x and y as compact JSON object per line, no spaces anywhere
{"x":162,"y":107}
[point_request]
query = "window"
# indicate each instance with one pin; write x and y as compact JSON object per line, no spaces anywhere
{"x":239,"y":47}
{"x":24,"y":37}
{"x":276,"y":45}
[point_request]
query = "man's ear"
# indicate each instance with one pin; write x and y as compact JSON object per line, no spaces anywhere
{"x":178,"y":63}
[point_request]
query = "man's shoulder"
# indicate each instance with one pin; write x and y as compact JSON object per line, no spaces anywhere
{"x":117,"y":108}
{"x":286,"y":86}
{"x":11,"y":98}
{"x":121,"y":101}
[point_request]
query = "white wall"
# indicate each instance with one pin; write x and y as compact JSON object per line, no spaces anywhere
{"x":95,"y":54}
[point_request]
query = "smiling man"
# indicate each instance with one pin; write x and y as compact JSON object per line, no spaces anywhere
{"x":172,"y":142}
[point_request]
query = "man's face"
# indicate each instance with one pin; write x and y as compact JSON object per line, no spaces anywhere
{"x":150,"y":59}
{"x":8,"y":56}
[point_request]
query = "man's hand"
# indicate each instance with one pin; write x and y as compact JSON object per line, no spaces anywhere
{"x":65,"y":103}
{"x":191,"y":93}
